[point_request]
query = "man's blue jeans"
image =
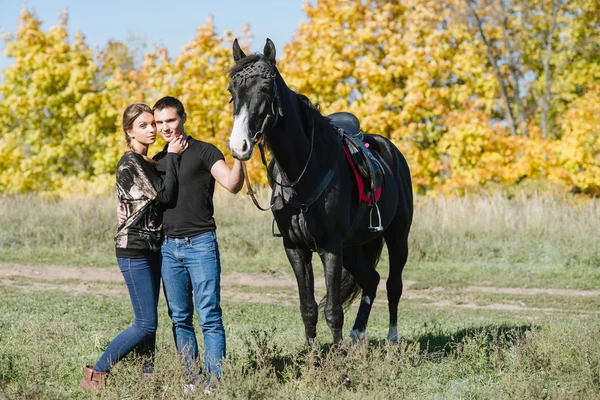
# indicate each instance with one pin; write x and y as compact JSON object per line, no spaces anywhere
{"x":142,"y":276}
{"x":191,"y":273}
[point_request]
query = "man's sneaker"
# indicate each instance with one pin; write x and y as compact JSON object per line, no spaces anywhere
{"x":211,"y":388}
{"x":188,"y":389}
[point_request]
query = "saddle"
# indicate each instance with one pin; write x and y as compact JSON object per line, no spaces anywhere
{"x":368,"y":167}
{"x":364,"y":160}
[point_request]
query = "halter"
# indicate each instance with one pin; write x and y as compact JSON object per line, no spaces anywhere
{"x":260,"y":70}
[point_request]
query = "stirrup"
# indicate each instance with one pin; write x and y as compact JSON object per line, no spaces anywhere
{"x":275,"y":234}
{"x":378,"y":227}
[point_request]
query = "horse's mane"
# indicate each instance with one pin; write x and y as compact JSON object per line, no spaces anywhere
{"x":243,"y":63}
{"x":325,"y":132}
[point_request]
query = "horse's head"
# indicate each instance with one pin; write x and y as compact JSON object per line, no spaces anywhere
{"x":255,"y":99}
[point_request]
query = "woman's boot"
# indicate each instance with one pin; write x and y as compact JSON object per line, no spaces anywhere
{"x":93,"y":379}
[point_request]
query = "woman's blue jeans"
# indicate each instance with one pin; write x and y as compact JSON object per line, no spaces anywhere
{"x":191,"y":273}
{"x":142,"y":276}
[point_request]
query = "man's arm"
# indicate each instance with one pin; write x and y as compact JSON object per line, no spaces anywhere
{"x":231,"y":179}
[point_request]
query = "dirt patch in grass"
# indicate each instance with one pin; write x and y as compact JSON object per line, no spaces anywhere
{"x":533,"y":291}
{"x":55,"y":272}
{"x":81,"y":280}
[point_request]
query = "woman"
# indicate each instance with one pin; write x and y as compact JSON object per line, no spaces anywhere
{"x":141,"y":191}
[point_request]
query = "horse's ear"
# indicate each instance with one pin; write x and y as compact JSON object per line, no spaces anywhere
{"x":238,"y":53}
{"x":269,"y":52}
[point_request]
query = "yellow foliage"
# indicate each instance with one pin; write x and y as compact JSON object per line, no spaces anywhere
{"x":417,"y":72}
{"x":577,"y":162}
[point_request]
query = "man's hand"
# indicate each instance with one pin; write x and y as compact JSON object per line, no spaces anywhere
{"x":121,"y":214}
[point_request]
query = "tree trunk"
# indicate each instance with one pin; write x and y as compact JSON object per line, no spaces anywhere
{"x":547,"y":73}
{"x":492,"y":59}
{"x":513,"y":68}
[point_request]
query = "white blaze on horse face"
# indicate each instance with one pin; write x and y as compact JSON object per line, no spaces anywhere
{"x":240,"y":143}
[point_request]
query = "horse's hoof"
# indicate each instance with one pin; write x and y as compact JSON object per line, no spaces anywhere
{"x":357,"y":336}
{"x":392,"y":339}
{"x":392,"y":336}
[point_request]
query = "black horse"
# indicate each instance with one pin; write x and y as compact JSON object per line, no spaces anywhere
{"x":315,"y":199}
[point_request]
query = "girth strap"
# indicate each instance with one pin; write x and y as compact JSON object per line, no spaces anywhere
{"x":303,"y":206}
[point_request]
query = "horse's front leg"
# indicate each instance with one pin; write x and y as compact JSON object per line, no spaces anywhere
{"x":301,"y":261}
{"x":331,"y":256}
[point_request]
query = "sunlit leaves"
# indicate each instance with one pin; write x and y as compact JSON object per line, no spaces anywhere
{"x":418,"y":72}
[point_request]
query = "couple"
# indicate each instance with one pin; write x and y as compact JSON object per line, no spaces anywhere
{"x":168,"y":231}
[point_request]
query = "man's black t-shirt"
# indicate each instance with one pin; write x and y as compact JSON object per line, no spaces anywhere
{"x":192,"y":211}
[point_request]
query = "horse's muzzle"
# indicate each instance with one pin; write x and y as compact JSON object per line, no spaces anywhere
{"x":243,"y":152}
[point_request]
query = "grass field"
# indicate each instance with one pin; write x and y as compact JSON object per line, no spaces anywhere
{"x":501,"y":301}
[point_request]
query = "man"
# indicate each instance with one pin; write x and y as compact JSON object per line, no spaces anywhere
{"x":191,"y":266}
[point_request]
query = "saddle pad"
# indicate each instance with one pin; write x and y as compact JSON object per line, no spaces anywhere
{"x":359,"y":180}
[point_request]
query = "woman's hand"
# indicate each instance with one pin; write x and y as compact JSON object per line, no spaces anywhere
{"x":121,"y":216}
{"x":178,"y":145}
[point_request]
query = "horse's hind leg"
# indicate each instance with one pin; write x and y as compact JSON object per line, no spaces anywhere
{"x":361,"y":261}
{"x":396,"y":238}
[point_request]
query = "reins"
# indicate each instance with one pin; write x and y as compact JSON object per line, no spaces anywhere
{"x":251,"y":191}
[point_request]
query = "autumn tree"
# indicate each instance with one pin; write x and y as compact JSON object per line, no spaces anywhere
{"x":473,"y":91}
{"x":52,"y":118}
{"x":198,"y":77}
{"x":476,"y":93}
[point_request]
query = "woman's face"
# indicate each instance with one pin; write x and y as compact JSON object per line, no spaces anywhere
{"x":143,"y":129}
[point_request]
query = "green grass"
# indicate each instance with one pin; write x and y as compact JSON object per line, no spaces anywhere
{"x":446,"y":352}
{"x":459,"y":340}
{"x":527,"y":240}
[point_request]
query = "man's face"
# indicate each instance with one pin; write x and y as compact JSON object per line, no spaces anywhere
{"x":168,"y":123}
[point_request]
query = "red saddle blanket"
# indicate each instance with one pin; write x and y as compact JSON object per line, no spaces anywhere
{"x":362,"y":197}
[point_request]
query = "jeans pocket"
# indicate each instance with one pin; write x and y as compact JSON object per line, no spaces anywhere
{"x":203,"y":242}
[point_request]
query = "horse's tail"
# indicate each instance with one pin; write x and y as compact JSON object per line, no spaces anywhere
{"x":349,"y":290}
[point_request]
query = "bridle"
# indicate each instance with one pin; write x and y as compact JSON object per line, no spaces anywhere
{"x":260,"y":70}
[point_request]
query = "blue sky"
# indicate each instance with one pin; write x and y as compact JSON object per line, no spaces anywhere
{"x":168,"y":23}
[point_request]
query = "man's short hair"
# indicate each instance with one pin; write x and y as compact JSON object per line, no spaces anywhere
{"x":169,"y":102}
